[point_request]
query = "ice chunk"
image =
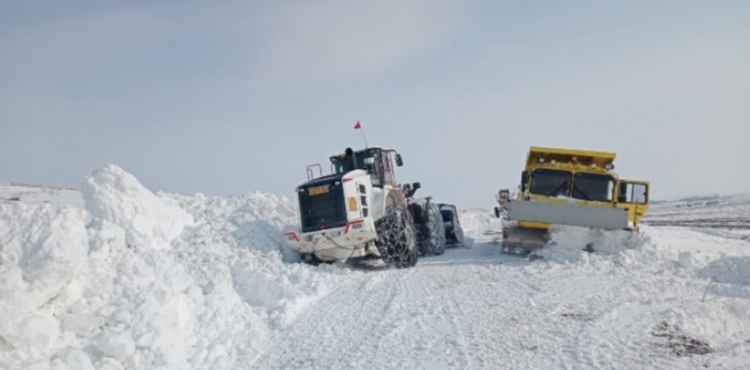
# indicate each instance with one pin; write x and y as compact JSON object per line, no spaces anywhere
{"x":41,"y":248}
{"x":118,"y":346}
{"x":25,"y":330}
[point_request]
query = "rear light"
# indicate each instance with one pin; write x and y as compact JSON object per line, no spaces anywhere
{"x":291,"y":236}
{"x":354,"y":225}
{"x":346,"y":179}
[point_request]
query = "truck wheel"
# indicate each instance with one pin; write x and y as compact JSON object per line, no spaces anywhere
{"x":397,"y":237}
{"x":436,"y":230}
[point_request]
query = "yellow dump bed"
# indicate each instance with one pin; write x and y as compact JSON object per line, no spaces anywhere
{"x":559,"y":155}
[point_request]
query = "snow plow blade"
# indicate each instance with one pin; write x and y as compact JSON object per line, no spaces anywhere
{"x":609,"y":218}
{"x":521,"y":239}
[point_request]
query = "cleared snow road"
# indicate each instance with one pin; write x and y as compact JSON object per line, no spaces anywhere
{"x":478,"y":309}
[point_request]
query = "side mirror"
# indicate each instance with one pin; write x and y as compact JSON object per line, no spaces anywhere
{"x":410,"y":189}
{"x":524,"y":180}
{"x":399,"y":160}
{"x":497,"y":212}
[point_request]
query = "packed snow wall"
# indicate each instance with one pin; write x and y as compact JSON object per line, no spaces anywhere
{"x":146,"y":280}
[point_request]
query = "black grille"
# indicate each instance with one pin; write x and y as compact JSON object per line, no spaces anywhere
{"x":324,"y":210}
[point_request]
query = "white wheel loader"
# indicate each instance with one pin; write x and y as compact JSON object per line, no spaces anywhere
{"x":358,"y":212}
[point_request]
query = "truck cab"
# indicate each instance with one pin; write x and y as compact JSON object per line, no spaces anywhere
{"x":577,"y":188}
{"x":585,"y":178}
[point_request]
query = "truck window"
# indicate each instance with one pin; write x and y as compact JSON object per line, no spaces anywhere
{"x":593,"y":186}
{"x":551,"y":182}
{"x":633,"y":192}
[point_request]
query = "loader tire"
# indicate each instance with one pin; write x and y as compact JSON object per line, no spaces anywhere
{"x":397,"y":237}
{"x":434,"y":243}
{"x":460,"y":237}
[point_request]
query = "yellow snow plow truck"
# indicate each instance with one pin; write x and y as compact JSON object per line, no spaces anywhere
{"x":569,"y":187}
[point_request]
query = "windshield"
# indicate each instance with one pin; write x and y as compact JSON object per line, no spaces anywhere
{"x":551,"y":182}
{"x":592,"y":186}
{"x":340,"y":164}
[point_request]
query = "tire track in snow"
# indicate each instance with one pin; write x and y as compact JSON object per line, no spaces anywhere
{"x":329,"y":334}
{"x":460,"y":330}
{"x":475,"y":309}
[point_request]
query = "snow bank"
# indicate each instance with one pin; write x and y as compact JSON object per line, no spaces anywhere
{"x":283,"y":290}
{"x":41,"y":248}
{"x":474,"y":221}
{"x":255,"y":221}
{"x":116,"y":196}
{"x":576,"y":244}
{"x":720,"y":324}
{"x":479,"y":226}
{"x":148,"y":281}
{"x":728,"y":270}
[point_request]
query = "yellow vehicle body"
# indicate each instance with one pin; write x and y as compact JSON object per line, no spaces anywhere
{"x":582,"y":180}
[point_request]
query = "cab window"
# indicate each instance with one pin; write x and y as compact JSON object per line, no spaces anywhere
{"x":594,"y":187}
{"x":633,"y":192}
{"x":551,"y":182}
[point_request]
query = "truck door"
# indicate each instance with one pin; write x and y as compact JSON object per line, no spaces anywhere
{"x":634,"y":195}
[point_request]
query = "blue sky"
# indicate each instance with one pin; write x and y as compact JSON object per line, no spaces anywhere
{"x":235,"y":96}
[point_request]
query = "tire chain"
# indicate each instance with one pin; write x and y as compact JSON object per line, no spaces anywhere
{"x":393,"y":232}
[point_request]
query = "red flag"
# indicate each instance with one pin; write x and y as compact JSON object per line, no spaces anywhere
{"x":357,"y":126}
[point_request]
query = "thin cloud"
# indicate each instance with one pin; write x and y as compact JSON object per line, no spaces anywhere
{"x":344,"y":40}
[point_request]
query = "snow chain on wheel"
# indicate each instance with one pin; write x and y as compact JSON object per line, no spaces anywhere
{"x":437,"y":229}
{"x":397,"y":238}
{"x":428,"y":220}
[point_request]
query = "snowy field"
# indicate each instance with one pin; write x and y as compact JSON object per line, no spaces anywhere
{"x":115,"y":276}
{"x":730,"y":218}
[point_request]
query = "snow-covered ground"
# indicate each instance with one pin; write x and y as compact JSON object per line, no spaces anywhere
{"x":729,"y":218}
{"x":31,"y":194}
{"x":119,"y":277}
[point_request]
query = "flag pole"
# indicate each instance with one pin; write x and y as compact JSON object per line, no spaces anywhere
{"x":358,"y":126}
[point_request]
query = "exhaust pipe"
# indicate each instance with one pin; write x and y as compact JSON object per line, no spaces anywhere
{"x":350,"y":160}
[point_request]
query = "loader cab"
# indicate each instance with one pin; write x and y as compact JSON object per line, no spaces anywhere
{"x":377,"y":162}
